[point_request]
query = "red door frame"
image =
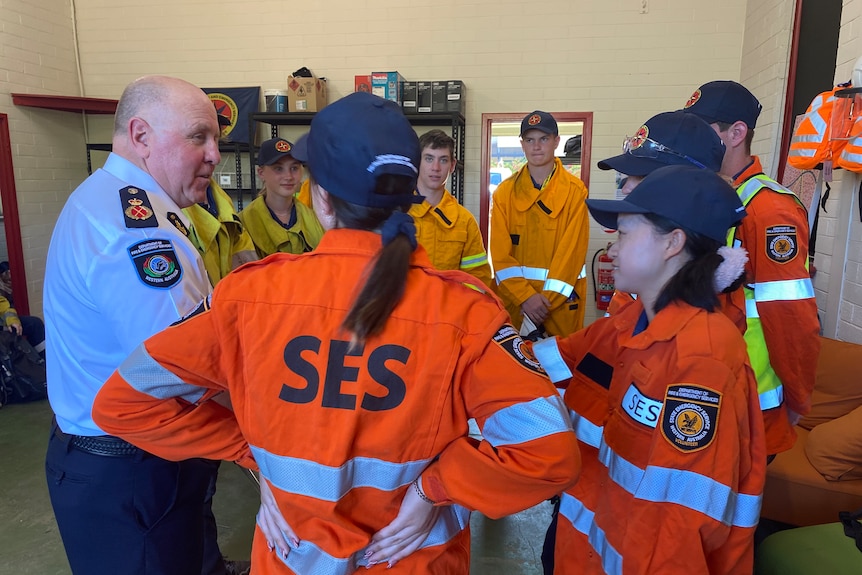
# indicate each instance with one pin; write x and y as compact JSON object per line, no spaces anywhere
{"x":9,"y":198}
{"x":787,"y":128}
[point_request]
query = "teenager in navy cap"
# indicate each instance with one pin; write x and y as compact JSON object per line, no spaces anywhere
{"x":353,"y":394}
{"x":662,"y":397}
{"x":539,"y":236}
{"x":778,"y":302}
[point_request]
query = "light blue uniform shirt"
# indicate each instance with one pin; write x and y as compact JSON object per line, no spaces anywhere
{"x":109,"y":287}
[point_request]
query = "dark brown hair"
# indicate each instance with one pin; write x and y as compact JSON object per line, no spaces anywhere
{"x":387,"y":277}
{"x":437,"y":139}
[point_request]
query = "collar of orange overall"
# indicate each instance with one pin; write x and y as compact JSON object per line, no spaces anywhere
{"x":752,"y":169}
{"x":665,"y":326}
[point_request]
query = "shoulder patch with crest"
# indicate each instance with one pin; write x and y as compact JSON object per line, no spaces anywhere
{"x":156,"y":262}
{"x":137,"y":209}
{"x":508,"y":338}
{"x":690,"y":416}
{"x":781,"y":244}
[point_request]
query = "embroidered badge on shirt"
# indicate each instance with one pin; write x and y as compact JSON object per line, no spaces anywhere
{"x":690,"y":416}
{"x":156,"y":263}
{"x":508,"y":338}
{"x":781,"y":245}
{"x":137,"y":210}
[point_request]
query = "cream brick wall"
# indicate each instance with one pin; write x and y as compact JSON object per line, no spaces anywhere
{"x":765,"y":58}
{"x":37,"y":56}
{"x":605,"y":57}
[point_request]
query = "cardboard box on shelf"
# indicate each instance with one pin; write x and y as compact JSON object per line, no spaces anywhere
{"x":408,"y":97}
{"x":438,"y":96}
{"x":362,"y":83}
{"x":423,"y":96}
{"x":306,"y":94}
{"x":455,"y":96}
{"x":387,"y":85}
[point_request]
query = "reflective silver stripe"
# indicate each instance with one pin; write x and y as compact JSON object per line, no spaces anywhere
{"x":148,"y":376}
{"x":687,"y":488}
{"x":850,"y":157}
{"x":587,"y":431}
{"x":583,"y":272}
{"x":808,"y":139}
{"x":548,"y":354}
{"x":508,"y":273}
{"x":784,"y":290}
{"x":751,"y":309}
{"x":559,"y":287}
{"x":584,"y":521}
{"x":772,"y":398}
{"x":309,"y":558}
{"x":538,"y":274}
{"x":326,"y":483}
{"x":523,"y":422}
{"x":801,"y":153}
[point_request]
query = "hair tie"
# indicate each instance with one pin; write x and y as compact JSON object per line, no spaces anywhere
{"x":399,"y":223}
{"x":731,"y":267}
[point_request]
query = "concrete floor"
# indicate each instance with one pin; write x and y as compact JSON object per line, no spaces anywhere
{"x":31,"y":545}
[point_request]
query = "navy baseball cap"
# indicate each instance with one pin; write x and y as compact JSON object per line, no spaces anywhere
{"x":669,"y":138}
{"x":271,"y":151}
{"x":698,"y":200}
{"x":353,"y":141}
{"x":539,"y":120}
{"x":724,"y":101}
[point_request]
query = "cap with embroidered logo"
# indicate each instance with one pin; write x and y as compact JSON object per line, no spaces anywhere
{"x":669,"y":138}
{"x":724,"y":101}
{"x":541,"y":121}
{"x":271,"y":151}
{"x":697,"y":200}
{"x":355,"y":140}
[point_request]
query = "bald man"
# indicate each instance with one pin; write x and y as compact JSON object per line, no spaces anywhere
{"x":120,"y":268}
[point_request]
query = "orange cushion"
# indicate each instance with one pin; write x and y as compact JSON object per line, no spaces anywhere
{"x":838,"y":387}
{"x":834,"y":448}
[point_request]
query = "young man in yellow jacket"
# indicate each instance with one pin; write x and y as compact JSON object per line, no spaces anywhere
{"x":446,"y":229}
{"x":539,"y":235}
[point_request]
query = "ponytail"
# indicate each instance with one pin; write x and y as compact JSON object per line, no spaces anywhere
{"x":386,"y":280}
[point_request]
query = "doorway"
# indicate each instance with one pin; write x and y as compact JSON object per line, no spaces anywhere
{"x":502,"y":155}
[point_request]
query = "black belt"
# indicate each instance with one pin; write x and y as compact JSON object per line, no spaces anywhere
{"x":105,"y":445}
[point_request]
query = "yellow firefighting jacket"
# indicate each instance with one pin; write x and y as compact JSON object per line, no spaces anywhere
{"x":269,"y":236}
{"x":450,"y":235}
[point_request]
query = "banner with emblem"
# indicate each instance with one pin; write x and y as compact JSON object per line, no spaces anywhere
{"x":234,"y":105}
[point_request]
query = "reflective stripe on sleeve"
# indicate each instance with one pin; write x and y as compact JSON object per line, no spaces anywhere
{"x":558,"y":286}
{"x":583,"y":520}
{"x":537,"y":274}
{"x":309,"y":558}
{"x":523,"y":422}
{"x":471,"y":262}
{"x":772,"y":398}
{"x":548,"y":354}
{"x":326,"y":483}
{"x":682,"y":487}
{"x":587,"y":431}
{"x":583,"y":274}
{"x":148,"y":376}
{"x":784,"y":290}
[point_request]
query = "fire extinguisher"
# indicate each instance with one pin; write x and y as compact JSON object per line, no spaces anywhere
{"x":603,"y":286}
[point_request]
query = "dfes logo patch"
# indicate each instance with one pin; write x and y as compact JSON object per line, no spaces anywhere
{"x":639,"y":138}
{"x":508,"y":338}
{"x":690,"y":416}
{"x":693,"y":99}
{"x":226,"y":108}
{"x":781,"y":244}
{"x":535,"y":120}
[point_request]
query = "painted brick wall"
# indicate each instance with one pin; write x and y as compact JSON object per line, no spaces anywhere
{"x":37,"y":56}
{"x":605,"y":57}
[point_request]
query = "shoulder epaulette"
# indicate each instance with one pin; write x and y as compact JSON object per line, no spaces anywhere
{"x":137,"y":209}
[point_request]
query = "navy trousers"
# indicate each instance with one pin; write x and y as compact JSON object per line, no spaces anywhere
{"x":128,"y":515}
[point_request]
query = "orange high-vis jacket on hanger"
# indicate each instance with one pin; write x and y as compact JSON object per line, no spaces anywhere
{"x":340,"y":431}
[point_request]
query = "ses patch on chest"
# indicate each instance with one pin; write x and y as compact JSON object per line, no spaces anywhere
{"x":645,"y":410}
{"x":508,"y":338}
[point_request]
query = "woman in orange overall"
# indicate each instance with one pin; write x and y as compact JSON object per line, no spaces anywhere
{"x":352,"y":395}
{"x":663,"y":399}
